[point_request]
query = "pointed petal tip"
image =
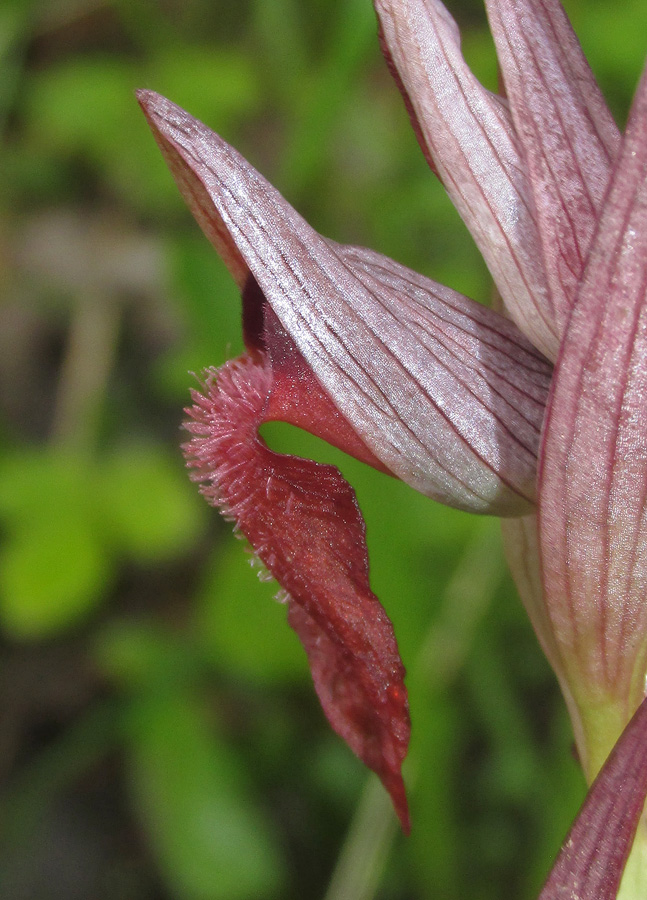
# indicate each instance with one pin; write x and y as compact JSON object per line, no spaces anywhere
{"x":374,"y":725}
{"x":397,"y":791}
{"x":158,"y":111}
{"x":201,"y":162}
{"x":147,"y":99}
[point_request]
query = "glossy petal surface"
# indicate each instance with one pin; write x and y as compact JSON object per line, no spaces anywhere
{"x":468,"y":133}
{"x":567,"y":133}
{"x":448,"y":395}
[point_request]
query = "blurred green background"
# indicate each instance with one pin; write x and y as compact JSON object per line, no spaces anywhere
{"x":159,"y":735}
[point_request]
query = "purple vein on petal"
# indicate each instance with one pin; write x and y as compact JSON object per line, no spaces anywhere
{"x":594,"y":854}
{"x":469,"y":134}
{"x":592,"y":860}
{"x":568,"y":135}
{"x":593,"y":471}
{"x":463,"y":428}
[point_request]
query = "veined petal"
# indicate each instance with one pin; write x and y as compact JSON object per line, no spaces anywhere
{"x":594,"y":854}
{"x":468,"y":133}
{"x":521,"y":546}
{"x":568,"y":135}
{"x":448,"y":395}
{"x":593,"y":473}
{"x":483,"y":386}
{"x":303,"y":522}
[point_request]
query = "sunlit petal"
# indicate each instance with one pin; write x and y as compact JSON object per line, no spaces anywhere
{"x":468,"y":133}
{"x":447,"y":394}
{"x":593,"y":477}
{"x":568,"y":135}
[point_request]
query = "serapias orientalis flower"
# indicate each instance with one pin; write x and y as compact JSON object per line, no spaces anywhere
{"x":401,"y":372}
{"x":445,"y":394}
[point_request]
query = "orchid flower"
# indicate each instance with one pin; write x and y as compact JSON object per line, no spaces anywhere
{"x":459,"y":401}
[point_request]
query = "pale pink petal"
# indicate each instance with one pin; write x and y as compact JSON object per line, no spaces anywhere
{"x":448,"y":395}
{"x":568,"y":135}
{"x":521,"y":546}
{"x":593,"y":478}
{"x":487,"y":385}
{"x":468,"y":133}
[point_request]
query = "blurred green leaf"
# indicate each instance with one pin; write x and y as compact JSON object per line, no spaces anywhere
{"x":144,"y":655}
{"x":53,"y":568}
{"x":65,"y":517}
{"x":15,"y":19}
{"x":435,"y":847}
{"x":52,"y":575}
{"x":615,"y":47}
{"x":85,"y":108}
{"x":147,"y":505}
{"x":320,"y":98}
{"x":240,"y":624}
{"x":215,"y":84}
{"x":36,"y":483}
{"x":210,"y":839}
{"x":209,"y":305}
{"x":83,"y":105}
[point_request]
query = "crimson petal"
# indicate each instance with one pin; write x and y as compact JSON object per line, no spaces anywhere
{"x":303,"y":521}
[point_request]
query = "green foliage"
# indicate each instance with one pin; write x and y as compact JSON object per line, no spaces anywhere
{"x":145,"y":661}
{"x":211,"y":841}
{"x":265,"y":649}
{"x":52,"y":570}
{"x":70,"y":520}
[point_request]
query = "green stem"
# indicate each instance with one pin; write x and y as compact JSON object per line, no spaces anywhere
{"x":634,"y":880}
{"x":89,"y":357}
{"x":440,"y":656}
{"x":366,"y":848}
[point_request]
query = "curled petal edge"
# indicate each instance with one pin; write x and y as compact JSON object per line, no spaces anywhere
{"x":303,"y":522}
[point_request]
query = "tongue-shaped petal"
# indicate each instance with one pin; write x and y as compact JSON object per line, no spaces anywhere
{"x":303,"y":522}
{"x":448,"y":395}
{"x":468,"y":133}
{"x":594,"y":854}
{"x":593,"y":479}
{"x":567,"y":133}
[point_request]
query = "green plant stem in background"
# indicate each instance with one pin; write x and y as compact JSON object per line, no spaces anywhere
{"x":442,"y":653}
{"x":364,"y":854}
{"x":85,"y":371}
{"x":634,"y":880}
